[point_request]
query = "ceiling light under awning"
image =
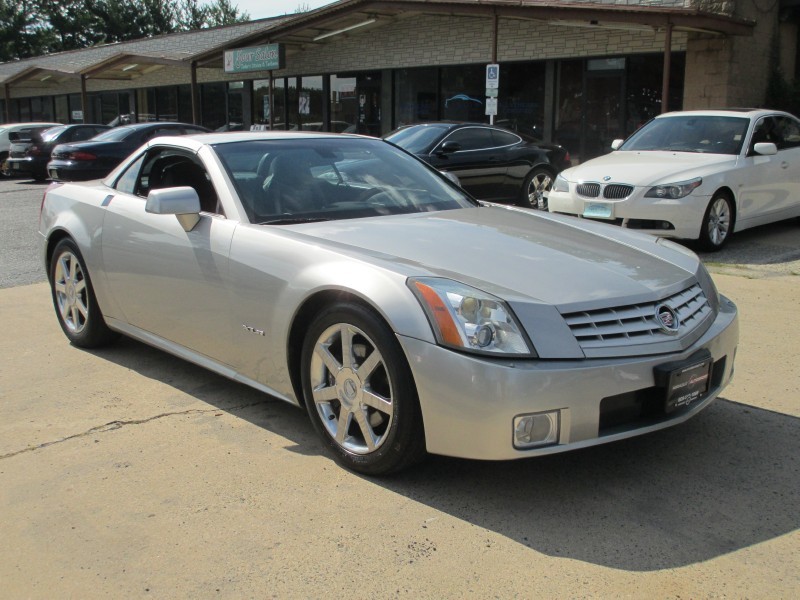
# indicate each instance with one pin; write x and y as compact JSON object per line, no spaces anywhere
{"x":344,"y":30}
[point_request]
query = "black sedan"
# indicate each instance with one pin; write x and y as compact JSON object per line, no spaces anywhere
{"x":97,"y":157}
{"x":31,"y":156}
{"x":490,"y":162}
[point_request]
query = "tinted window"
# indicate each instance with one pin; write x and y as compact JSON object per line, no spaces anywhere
{"x":504,"y":138}
{"x":788,"y":131}
{"x":417,"y":139}
{"x":52,"y":133}
{"x":115,"y":135}
{"x":472,"y":138}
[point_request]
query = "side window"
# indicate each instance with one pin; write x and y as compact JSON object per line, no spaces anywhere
{"x":128,"y":180}
{"x":168,"y":167}
{"x":82,"y":133}
{"x":765,"y":131}
{"x":788,"y":131}
{"x":504,"y":138}
{"x":472,"y":138}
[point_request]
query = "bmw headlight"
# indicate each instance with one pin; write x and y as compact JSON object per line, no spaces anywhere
{"x":673,"y":191}
{"x":466,"y":318}
{"x":560,"y":184}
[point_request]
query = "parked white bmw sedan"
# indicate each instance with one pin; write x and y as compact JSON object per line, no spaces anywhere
{"x":694,"y":175}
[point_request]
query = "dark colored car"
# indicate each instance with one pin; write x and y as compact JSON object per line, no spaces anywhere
{"x":490,"y":162}
{"x":97,"y":157}
{"x":18,"y":143}
{"x":31,"y":156}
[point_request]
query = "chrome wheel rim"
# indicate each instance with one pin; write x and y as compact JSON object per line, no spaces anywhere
{"x":719,"y":221}
{"x":353,"y":393}
{"x":539,"y":185}
{"x":69,"y":284}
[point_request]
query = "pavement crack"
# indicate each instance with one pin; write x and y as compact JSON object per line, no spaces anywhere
{"x":119,"y":424}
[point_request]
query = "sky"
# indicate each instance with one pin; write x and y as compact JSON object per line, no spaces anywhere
{"x":259,"y":9}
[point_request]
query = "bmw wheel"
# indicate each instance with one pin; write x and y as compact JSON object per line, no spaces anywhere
{"x":717,"y":223}
{"x":536,"y":188}
{"x":359,"y":391}
{"x":74,"y":300}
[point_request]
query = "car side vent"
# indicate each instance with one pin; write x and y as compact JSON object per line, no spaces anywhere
{"x":617,"y":191}
{"x":609,"y":327}
{"x":589,"y":190}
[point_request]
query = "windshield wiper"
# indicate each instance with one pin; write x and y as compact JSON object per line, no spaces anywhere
{"x":288,"y":220}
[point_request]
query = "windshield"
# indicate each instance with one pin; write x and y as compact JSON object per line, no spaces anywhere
{"x":113,"y":135}
{"x":301,"y":180}
{"x":691,"y":133}
{"x":417,"y":138}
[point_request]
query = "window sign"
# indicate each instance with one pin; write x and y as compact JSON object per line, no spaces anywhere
{"x":256,"y":58}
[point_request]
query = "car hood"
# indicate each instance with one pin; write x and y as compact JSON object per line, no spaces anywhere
{"x":648,"y":168}
{"x":517,"y":254}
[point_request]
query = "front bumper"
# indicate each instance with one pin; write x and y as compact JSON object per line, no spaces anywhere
{"x":685,"y":215}
{"x":469,"y":403}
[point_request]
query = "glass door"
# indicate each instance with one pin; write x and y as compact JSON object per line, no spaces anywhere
{"x":604,"y":106}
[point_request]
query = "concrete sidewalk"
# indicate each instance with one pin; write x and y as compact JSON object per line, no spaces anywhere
{"x":126,"y":472}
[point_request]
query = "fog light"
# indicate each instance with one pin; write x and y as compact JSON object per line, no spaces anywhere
{"x":536,"y":430}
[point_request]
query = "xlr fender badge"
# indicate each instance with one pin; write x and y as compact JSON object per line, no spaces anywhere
{"x":254,"y":330}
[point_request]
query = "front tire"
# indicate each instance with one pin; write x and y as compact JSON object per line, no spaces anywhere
{"x":359,"y":391}
{"x":74,"y":300}
{"x":718,"y":223}
{"x":536,"y":188}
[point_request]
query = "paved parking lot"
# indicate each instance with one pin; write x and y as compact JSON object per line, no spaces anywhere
{"x":126,"y":472}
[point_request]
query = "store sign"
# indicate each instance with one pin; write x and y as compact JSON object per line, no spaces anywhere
{"x":77,"y":115}
{"x":256,"y":58}
{"x":491,"y":107}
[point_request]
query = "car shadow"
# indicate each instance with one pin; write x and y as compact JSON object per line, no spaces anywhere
{"x":724,"y":481}
{"x":772,"y":244}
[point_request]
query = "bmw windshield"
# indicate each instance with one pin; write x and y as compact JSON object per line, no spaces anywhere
{"x":690,"y":133}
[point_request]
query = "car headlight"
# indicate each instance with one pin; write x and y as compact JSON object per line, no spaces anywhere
{"x":466,"y":318}
{"x":560,"y":184}
{"x":673,"y":191}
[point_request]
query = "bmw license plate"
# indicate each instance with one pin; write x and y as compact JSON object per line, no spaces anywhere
{"x":598,"y":210}
{"x":685,"y":382}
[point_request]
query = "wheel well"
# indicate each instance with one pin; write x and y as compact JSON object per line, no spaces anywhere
{"x":52,"y":242}
{"x":301,"y":323}
{"x":728,"y":192}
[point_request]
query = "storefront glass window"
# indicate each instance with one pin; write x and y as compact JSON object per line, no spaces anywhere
{"x":146,"y":105}
{"x":344,"y":104}
{"x":75,"y":110}
{"x":185,"y":103}
{"x":292,"y":103}
{"x":261,"y":102}
{"x":235,"y":120}
{"x":369,"y":91}
{"x":415,"y":96}
{"x":212,"y":100}
{"x":42,"y":108}
{"x":463,"y":93}
{"x":23,"y":109}
{"x":310,"y":100}
{"x":279,"y":104}
{"x":167,"y":103}
{"x":520,"y":103}
{"x":644,"y":87}
{"x":569,"y":105}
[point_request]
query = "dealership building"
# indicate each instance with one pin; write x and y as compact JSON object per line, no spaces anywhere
{"x":579,"y":73}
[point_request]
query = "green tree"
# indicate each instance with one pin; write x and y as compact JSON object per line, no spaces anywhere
{"x":22,"y":31}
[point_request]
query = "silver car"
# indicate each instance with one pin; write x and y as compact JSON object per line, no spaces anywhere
{"x":345,"y":276}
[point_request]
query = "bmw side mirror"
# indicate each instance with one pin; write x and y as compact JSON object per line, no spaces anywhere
{"x":765,"y":148}
{"x":183,"y":202}
{"x":616,"y":144}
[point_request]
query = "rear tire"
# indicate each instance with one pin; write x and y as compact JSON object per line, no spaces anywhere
{"x":359,"y":391}
{"x":74,"y":300}
{"x":536,"y":188}
{"x":718,"y":223}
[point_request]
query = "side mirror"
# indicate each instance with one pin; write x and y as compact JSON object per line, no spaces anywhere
{"x":765,"y":148}
{"x":616,"y":144}
{"x":449,"y":148}
{"x":183,"y":202}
